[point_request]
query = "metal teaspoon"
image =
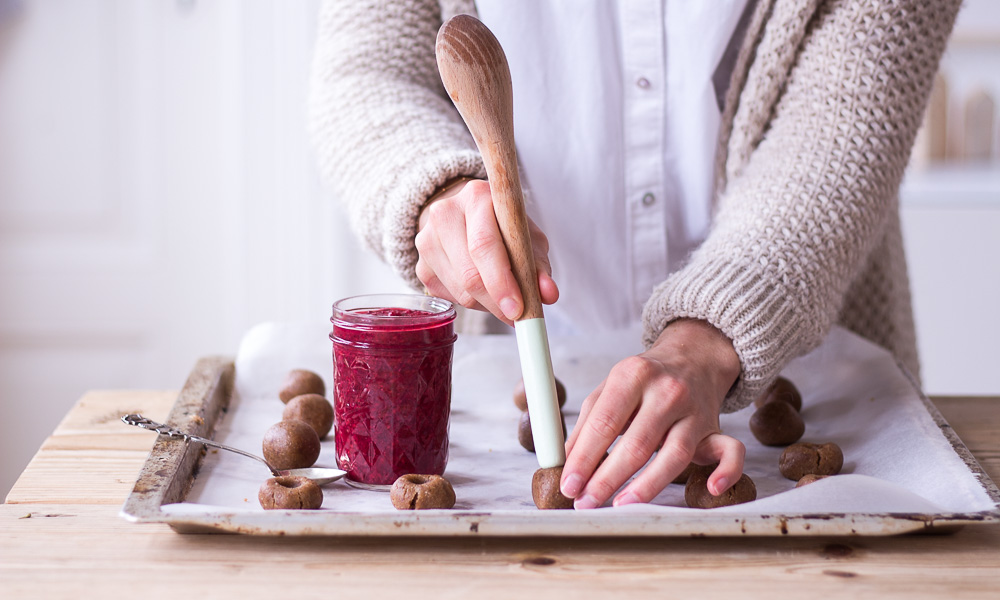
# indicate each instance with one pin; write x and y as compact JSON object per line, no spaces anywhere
{"x":319,"y":475}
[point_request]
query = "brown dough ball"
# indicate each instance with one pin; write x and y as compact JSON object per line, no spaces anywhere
{"x":299,"y":382}
{"x":545,"y":489}
{"x":682,"y":477}
{"x":290,"y":493}
{"x":312,"y":409}
{"x":807,"y":479}
{"x":291,"y":445}
{"x":420,"y":492}
{"x":520,"y":397}
{"x":782,"y":390}
{"x":696,"y":493}
{"x":524,"y":435}
{"x":521,"y":400}
{"x":804,"y":458}
{"x":777,"y":424}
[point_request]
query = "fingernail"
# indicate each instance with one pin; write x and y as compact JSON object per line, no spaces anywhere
{"x":720,"y":486}
{"x":586,"y":502}
{"x":571,"y":485}
{"x":510,"y":308}
{"x":626,"y":498}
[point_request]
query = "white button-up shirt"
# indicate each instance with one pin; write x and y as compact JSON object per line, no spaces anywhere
{"x":616,"y":118}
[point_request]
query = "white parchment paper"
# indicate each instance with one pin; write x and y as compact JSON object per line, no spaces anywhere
{"x":854,"y":394}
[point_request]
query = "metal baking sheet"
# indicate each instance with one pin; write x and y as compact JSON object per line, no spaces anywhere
{"x":173,"y":467}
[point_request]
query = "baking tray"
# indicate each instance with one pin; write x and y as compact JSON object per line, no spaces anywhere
{"x":173,"y":465}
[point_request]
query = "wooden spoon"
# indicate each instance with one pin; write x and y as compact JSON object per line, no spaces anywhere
{"x":475,"y":73}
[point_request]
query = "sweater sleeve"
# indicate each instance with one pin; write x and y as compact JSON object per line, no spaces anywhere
{"x":385,"y":133}
{"x":802,"y":211}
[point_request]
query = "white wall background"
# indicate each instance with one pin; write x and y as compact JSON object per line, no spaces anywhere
{"x":158,"y":197}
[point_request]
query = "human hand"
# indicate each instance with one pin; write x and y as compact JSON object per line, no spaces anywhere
{"x":462,"y":257}
{"x":670,"y":395}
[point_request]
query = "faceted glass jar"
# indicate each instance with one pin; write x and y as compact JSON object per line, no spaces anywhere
{"x":392,"y":357}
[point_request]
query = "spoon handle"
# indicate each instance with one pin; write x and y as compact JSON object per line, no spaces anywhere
{"x":144,"y":423}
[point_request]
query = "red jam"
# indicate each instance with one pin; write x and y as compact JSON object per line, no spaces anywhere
{"x":392,"y":385}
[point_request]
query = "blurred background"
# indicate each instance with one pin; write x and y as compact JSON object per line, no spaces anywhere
{"x":159,"y":197}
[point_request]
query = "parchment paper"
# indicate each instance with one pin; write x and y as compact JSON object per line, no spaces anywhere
{"x":854,"y":394}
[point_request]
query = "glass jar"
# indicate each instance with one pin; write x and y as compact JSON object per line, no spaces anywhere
{"x":392,"y":358}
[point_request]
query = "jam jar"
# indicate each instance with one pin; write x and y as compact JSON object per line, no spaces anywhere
{"x":392,"y":357}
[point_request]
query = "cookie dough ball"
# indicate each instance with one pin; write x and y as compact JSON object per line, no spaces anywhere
{"x":299,"y":382}
{"x":696,"y":493}
{"x":807,"y":479}
{"x":524,"y":435}
{"x":521,"y":400}
{"x":313,"y":409}
{"x":280,"y":493}
{"x":421,"y":492}
{"x":682,"y":477}
{"x":545,"y":489}
{"x":291,"y":445}
{"x":782,"y":390}
{"x":804,"y":458}
{"x":777,"y":424}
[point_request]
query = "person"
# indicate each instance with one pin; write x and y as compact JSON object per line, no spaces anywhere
{"x":738,"y":254}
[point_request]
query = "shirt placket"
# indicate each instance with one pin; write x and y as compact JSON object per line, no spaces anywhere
{"x":643,"y":47}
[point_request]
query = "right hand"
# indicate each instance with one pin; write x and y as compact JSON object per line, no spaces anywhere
{"x":662,"y":407}
{"x":462,"y":257}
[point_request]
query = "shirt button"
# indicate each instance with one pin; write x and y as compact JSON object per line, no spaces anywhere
{"x":648,"y":199}
{"x":643,"y":83}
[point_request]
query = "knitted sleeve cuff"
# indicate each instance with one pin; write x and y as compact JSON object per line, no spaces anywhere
{"x":754,"y":312}
{"x":406,"y":195}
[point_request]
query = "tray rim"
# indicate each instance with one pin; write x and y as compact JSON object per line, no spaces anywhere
{"x":172,"y":465}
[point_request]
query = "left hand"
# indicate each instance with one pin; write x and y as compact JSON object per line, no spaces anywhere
{"x":669,"y":395}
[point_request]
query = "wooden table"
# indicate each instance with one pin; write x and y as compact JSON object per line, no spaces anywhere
{"x":66,"y":539}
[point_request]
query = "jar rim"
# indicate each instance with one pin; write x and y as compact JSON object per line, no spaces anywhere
{"x":351,"y":310}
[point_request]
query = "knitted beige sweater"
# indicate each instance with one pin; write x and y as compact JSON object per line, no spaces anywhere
{"x":819,"y":119}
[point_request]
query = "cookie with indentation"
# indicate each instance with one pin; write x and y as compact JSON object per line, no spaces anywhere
{"x":290,"y":493}
{"x":421,"y":492}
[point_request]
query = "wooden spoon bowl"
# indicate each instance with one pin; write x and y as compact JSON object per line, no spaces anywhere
{"x":476,"y":76}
